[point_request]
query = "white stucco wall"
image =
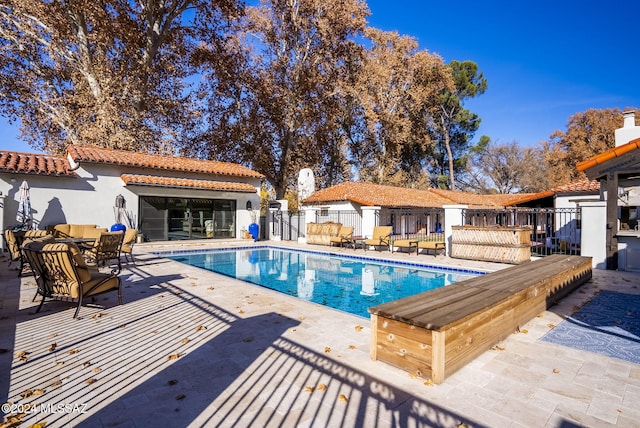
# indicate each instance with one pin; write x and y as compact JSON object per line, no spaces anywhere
{"x":90,"y":198}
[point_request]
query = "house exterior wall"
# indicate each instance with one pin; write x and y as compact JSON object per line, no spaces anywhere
{"x":90,"y":198}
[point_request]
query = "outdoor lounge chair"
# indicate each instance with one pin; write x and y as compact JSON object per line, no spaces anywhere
{"x":105,"y":249}
{"x":64,"y":275}
{"x":31,"y":251}
{"x":14,"y":249}
{"x":129,"y":239}
{"x":345,"y":236}
{"x":381,"y":237}
{"x":434,"y":246}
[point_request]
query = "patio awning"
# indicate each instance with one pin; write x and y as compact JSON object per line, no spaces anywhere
{"x":186,"y":183}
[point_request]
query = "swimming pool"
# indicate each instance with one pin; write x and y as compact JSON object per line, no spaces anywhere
{"x":347,"y":283}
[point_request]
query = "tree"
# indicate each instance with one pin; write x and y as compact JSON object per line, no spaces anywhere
{"x":588,"y":133}
{"x":108,"y":73}
{"x":397,"y":93}
{"x":454,"y":125}
{"x":278,"y":107}
{"x":504,"y":168}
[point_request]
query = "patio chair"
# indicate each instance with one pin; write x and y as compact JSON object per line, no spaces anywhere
{"x":345,"y":236}
{"x":127,"y":243}
{"x":13,"y":245}
{"x":64,"y":275}
{"x":31,"y":251}
{"x":105,"y":249}
{"x":381,"y":237}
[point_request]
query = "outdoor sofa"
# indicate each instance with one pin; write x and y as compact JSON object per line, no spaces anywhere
{"x":321,"y":233}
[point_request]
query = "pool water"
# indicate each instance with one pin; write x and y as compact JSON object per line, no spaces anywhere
{"x":349,"y":284}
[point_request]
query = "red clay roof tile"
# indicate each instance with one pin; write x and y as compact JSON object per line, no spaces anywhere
{"x":608,"y":155}
{"x":36,"y":164}
{"x":369,"y":194}
{"x":158,"y":162}
{"x":155,"y":181}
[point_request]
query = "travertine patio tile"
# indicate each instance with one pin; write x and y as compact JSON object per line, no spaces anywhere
{"x":606,"y":407}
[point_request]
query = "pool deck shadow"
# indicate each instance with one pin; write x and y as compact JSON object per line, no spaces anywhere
{"x":192,"y":348}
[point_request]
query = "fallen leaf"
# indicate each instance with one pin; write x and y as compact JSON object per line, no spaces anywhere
{"x":241,"y":311}
{"x":38,"y":425}
{"x":53,"y":334}
{"x":185,"y":340}
{"x":428,"y":382}
{"x":97,"y":370}
{"x":200,"y":327}
{"x":56,"y":382}
{"x":358,"y":328}
{"x":91,"y":380}
{"x":556,"y":371}
{"x":86,"y":364}
{"x":180,"y":397}
{"x":210,"y":288}
{"x":525,"y":331}
{"x":327,"y":349}
{"x":352,"y":346}
{"x":38,"y":391}
{"x":301,"y":318}
{"x":497,"y":348}
{"x":540,"y":315}
{"x":73,"y":351}
{"x":321,"y":387}
{"x":26,"y":393}
{"x":551,"y":325}
{"x":174,"y":356}
{"x":343,"y":397}
{"x":53,"y":347}
{"x":248,"y":339}
{"x":172,"y":382}
{"x":122,"y":326}
{"x":308,"y":389}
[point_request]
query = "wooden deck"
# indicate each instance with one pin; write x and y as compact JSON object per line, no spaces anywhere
{"x":435,"y":333}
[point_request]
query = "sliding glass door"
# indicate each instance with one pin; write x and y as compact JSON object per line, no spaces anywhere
{"x":167,"y":219}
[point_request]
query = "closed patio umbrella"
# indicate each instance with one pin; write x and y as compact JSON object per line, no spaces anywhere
{"x":24,"y":205}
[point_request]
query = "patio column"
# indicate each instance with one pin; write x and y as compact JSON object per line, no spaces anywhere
{"x":593,"y":232}
{"x":452,"y":217}
{"x":370,"y":217}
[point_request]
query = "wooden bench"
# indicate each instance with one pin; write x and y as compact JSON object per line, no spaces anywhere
{"x":435,"y":333}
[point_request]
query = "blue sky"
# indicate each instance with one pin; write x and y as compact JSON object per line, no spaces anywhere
{"x":544,"y":61}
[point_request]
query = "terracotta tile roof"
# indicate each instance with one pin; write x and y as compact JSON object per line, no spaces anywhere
{"x":369,"y":194}
{"x":150,"y":180}
{"x":476,"y":200}
{"x":584,"y":185}
{"x":608,"y":155}
{"x":36,"y":164}
{"x":158,"y":162}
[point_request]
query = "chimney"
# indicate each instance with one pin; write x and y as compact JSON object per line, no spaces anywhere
{"x":629,"y":130}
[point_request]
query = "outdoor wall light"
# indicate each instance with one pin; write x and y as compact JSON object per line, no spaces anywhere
{"x":249,"y":207}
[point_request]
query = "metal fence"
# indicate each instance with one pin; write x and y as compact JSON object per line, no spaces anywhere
{"x":553,"y":230}
{"x":409,"y":222}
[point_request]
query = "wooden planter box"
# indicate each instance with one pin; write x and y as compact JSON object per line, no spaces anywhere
{"x":495,"y":244}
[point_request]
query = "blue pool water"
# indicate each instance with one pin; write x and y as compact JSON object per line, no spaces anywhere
{"x":349,"y":284}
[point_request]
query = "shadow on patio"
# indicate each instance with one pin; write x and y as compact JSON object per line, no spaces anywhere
{"x":168,"y":357}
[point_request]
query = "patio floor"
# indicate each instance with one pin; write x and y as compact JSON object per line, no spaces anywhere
{"x":193,"y":348}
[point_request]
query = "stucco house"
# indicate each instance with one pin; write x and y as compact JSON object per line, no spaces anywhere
{"x":165,"y":197}
{"x":618,"y":171}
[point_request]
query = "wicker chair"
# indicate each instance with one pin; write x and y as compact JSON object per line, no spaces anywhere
{"x":63,"y":275}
